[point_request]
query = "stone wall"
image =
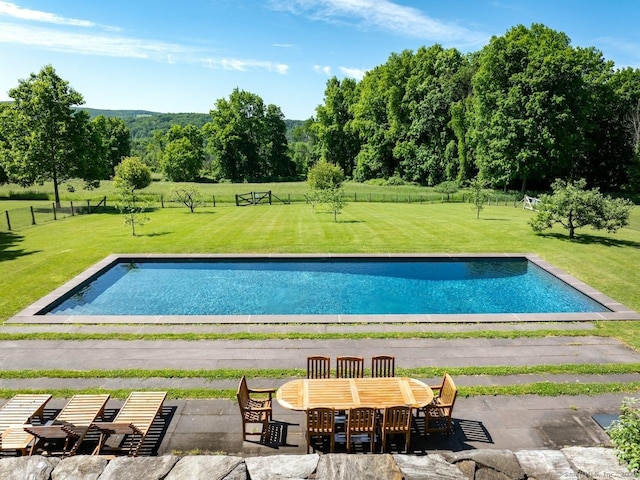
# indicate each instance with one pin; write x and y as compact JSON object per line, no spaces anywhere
{"x":573,"y":463}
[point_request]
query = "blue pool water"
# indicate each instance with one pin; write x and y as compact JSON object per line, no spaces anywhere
{"x":319,"y":287}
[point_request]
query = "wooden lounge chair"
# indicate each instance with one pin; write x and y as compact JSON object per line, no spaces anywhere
{"x":134,"y":419}
{"x":383,"y":366}
{"x":396,"y":421}
{"x":349,"y":367}
{"x":318,"y":366}
{"x":438,"y":413}
{"x":254,"y":410}
{"x":70,"y":425}
{"x":16,"y":412}
{"x":321,"y":423}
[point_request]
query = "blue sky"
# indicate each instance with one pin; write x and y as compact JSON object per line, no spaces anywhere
{"x":182,"y":56}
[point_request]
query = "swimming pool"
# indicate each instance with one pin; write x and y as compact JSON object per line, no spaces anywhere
{"x":349,"y":286}
{"x":322,"y":288}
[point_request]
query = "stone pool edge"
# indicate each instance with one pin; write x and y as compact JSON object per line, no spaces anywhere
{"x":30,"y":314}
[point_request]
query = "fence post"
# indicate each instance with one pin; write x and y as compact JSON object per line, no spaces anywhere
{"x":55,"y":217}
{"x":289,"y":198}
{"x":33,"y":217}
{"x":214,"y":200}
{"x":6,"y":213}
{"x":162,"y":200}
{"x":72,"y":208}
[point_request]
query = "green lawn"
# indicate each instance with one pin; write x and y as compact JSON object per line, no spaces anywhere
{"x":35,"y":260}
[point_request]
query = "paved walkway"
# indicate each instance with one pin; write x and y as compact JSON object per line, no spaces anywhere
{"x":521,"y":422}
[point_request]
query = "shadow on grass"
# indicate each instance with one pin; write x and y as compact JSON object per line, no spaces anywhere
{"x":586,"y":239}
{"x":8,"y":240}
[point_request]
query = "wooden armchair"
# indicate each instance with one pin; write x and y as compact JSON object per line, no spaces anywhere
{"x":362,"y":421}
{"x":383,"y":366}
{"x":349,"y":367}
{"x":318,"y":366}
{"x":396,"y":421}
{"x":254,"y":410}
{"x":437,"y":415}
{"x":321,"y":423}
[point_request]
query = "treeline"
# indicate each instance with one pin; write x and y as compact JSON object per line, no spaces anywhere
{"x":526,"y":109}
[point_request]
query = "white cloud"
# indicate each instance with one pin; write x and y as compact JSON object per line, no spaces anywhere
{"x":283,"y":45}
{"x":326,"y":70}
{"x":355,"y":73}
{"x":245,"y":65}
{"x":12,"y":10}
{"x":124,"y":47}
{"x":383,"y":15}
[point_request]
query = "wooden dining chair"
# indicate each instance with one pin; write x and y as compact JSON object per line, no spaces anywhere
{"x":254,"y":410}
{"x":361,"y":421}
{"x":349,"y":367}
{"x":396,"y":421}
{"x":318,"y":366}
{"x":383,"y":366}
{"x":438,"y":414}
{"x":320,"y":423}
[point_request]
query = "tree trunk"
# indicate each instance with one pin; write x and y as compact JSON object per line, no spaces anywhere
{"x":572,"y":229}
{"x":523,"y":188}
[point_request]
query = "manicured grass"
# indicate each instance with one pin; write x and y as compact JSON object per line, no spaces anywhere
{"x":35,"y":260}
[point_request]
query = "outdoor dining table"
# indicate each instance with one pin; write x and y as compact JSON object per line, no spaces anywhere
{"x":346,"y":393}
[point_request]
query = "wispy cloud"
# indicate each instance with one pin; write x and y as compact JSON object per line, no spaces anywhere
{"x":355,"y":73}
{"x":324,"y":69}
{"x":95,"y":39}
{"x":383,"y":15}
{"x":625,"y":50}
{"x":12,"y":10}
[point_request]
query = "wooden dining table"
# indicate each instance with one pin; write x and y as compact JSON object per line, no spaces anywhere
{"x":346,"y":393}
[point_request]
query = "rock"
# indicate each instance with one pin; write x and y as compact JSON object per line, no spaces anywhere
{"x":280,"y":467}
{"x":430,"y":467}
{"x":545,"y":465}
{"x":211,"y":467}
{"x":31,"y":468}
{"x":363,"y":467}
{"x":81,"y":467}
{"x":139,"y":468}
{"x":595,"y":463}
{"x":503,"y":461}
{"x":468,"y":468}
{"x":490,"y":474}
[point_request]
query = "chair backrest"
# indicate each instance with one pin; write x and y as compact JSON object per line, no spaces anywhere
{"x":318,"y":366}
{"x":397,"y":418}
{"x":140,"y":409}
{"x":320,"y":420}
{"x":449,"y":391}
{"x":350,"y":367}
{"x":383,"y":366}
{"x":243,"y":394}
{"x":82,"y":410}
{"x":362,"y":420}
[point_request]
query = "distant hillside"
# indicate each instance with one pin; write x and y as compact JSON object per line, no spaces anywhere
{"x":142,"y":123}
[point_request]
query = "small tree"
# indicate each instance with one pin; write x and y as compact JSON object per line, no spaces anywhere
{"x":334,"y":197}
{"x":573,"y":207}
{"x":131,"y":175}
{"x":189,"y":196}
{"x":447,"y":188}
{"x":478,"y":196}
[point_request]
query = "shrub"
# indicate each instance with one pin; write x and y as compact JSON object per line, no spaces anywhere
{"x":625,"y":434}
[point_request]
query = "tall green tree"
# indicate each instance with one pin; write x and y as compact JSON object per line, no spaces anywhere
{"x":248,"y":140}
{"x":115,"y":139}
{"x":532,"y":102}
{"x":47,"y":138}
{"x":183,"y":153}
{"x":337,"y":142}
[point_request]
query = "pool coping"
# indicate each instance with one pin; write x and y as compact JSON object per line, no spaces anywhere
{"x":30,"y":314}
